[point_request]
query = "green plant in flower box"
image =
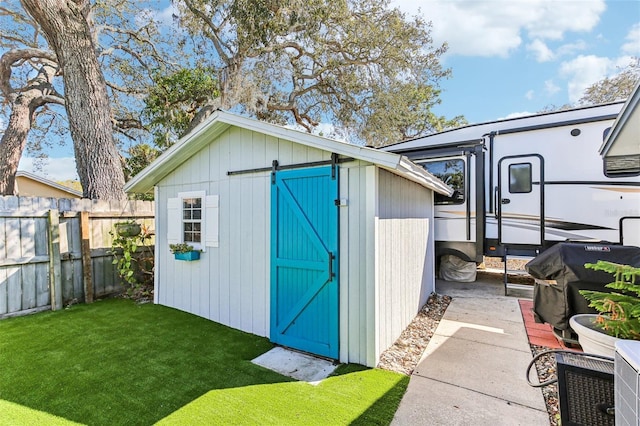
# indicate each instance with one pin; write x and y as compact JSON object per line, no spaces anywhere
{"x":619,"y":310}
{"x":181,"y":248}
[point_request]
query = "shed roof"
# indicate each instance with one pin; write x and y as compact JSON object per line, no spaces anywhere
{"x":220,"y":121}
{"x":623,"y":138}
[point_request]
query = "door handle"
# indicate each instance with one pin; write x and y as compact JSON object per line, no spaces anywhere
{"x":331,"y":274}
{"x":505,"y":201}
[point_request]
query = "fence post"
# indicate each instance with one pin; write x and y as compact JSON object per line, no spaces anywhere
{"x":85,"y":232}
{"x":55,"y":267}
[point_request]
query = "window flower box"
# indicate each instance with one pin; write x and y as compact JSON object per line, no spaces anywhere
{"x":188,"y":255}
{"x":184,"y":251}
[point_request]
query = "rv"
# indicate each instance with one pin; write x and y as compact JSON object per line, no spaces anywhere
{"x":523,"y":184}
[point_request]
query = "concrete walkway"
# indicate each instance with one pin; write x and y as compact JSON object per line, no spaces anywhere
{"x":473,"y":370}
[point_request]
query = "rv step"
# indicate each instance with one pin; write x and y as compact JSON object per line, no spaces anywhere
{"x":500,"y":271}
{"x":519,"y":257}
{"x":517,"y":273}
{"x":516,"y":286}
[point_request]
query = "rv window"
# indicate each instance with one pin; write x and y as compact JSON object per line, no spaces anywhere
{"x":520,"y":178}
{"x":451,"y":172}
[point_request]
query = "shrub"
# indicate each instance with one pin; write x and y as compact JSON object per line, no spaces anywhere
{"x":619,"y":310}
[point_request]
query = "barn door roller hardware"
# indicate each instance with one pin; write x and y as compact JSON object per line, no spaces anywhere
{"x":275,"y":166}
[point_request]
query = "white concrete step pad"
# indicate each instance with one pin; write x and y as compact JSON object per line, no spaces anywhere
{"x":299,"y":366}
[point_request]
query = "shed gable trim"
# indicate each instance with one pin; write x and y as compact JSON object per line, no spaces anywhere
{"x":220,"y":121}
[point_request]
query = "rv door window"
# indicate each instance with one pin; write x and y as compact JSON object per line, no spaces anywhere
{"x":520,"y":178}
{"x":451,"y":172}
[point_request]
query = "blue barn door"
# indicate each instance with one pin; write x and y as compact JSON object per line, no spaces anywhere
{"x":304,"y":253}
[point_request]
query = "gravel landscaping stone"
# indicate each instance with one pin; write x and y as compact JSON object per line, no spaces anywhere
{"x":403,"y":356}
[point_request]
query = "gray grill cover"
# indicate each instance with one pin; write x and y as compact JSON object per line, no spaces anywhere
{"x":564,"y":262}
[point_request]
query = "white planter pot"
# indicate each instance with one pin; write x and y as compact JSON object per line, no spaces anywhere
{"x":592,"y":338}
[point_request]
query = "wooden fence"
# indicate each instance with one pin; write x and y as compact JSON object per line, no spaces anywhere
{"x":56,"y":251}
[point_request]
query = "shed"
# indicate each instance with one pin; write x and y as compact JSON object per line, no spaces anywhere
{"x":319,"y":245}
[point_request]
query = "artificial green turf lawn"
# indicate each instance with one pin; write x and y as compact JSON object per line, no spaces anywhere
{"x":118,"y":363}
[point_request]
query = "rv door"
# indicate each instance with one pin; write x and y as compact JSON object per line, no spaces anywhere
{"x":520,"y":200}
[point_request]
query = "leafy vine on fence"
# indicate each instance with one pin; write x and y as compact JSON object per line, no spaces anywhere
{"x":133,"y":258}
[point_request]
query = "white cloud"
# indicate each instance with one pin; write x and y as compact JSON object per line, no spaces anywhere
{"x":517,"y":115}
{"x":571,"y":48}
{"x":529,"y":95}
{"x":540,"y":50}
{"x":495,"y":28}
{"x":583,"y":71}
{"x":543,"y":53}
{"x":55,"y":169}
{"x":632,"y":46}
{"x":163,"y":16}
{"x":551,"y":19}
{"x":550,"y":87}
{"x":166,"y":15}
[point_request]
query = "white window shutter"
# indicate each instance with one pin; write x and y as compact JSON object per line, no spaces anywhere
{"x":174,"y":221}
{"x":211,"y":221}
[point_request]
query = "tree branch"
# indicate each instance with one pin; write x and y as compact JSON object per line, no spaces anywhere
{"x":15,"y":57}
{"x":223,"y":49}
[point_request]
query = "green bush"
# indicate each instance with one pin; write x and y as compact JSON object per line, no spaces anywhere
{"x":619,"y":310}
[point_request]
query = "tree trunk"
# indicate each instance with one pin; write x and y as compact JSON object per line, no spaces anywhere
{"x":13,"y":142}
{"x":66,"y":28}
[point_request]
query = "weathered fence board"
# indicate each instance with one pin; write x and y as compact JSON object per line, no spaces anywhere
{"x":41,"y":250}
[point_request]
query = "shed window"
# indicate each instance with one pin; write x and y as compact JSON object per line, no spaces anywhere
{"x":193,"y":219}
{"x":520,"y":178}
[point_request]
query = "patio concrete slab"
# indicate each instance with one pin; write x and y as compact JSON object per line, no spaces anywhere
{"x":488,"y":308}
{"x":472,"y":371}
{"x":504,"y":334}
{"x":488,"y":369}
{"x":430,"y":402}
{"x":297,"y":365}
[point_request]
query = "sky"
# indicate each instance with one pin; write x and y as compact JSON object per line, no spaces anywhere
{"x":511,"y":58}
{"x":508,"y":57}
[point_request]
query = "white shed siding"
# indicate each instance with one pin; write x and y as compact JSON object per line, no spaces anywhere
{"x":403,"y":255}
{"x":230,"y":283}
{"x":357,"y":337}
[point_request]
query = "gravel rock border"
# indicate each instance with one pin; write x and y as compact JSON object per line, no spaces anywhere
{"x":547,"y":369}
{"x":403,"y":356}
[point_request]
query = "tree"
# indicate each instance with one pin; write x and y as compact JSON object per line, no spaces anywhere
{"x":174,"y":101}
{"x":65,"y":25}
{"x":27,"y":75}
{"x":616,"y":88}
{"x":26,"y":103}
{"x":130,"y":51}
{"x":357,"y":63}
